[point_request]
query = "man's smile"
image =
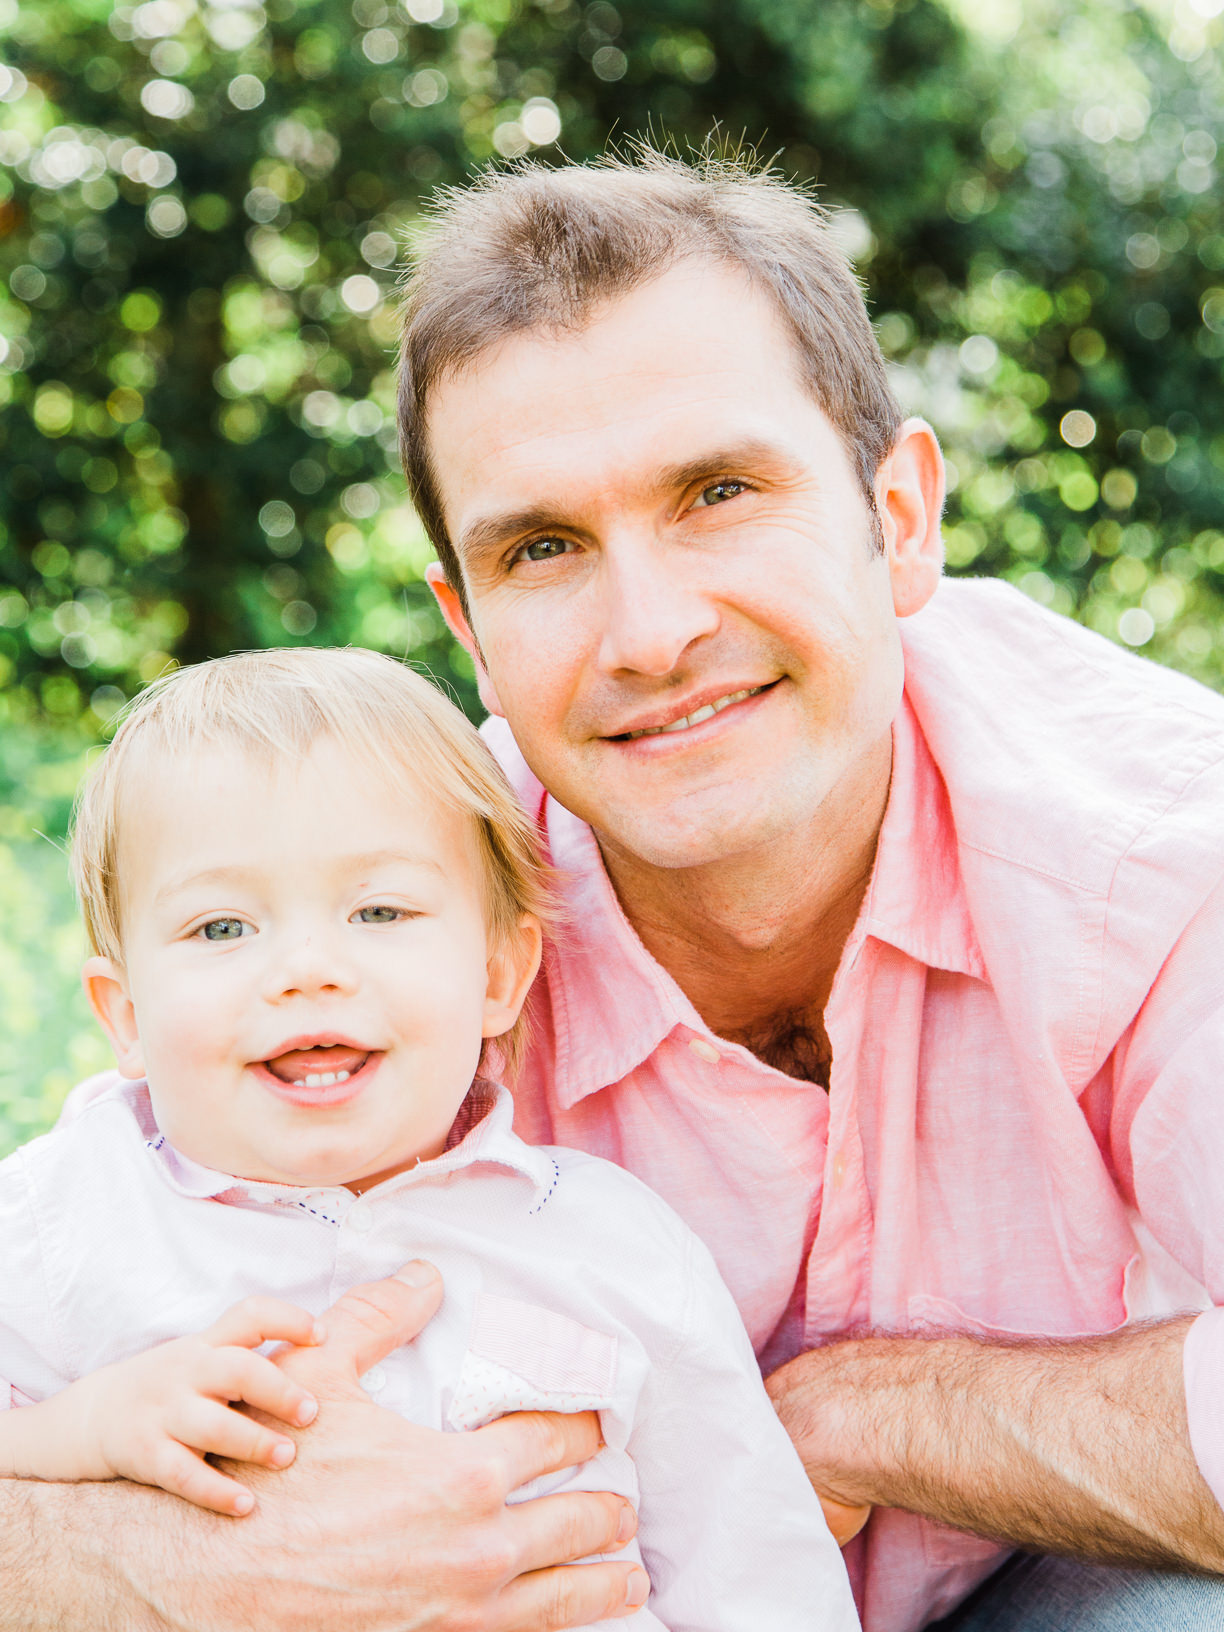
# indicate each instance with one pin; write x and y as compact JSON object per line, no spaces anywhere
{"x":694,"y":715}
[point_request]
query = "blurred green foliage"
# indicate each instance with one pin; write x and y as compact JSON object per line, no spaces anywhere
{"x":203,"y":204}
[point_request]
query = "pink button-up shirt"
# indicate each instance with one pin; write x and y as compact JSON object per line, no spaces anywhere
{"x":1024,"y":1130}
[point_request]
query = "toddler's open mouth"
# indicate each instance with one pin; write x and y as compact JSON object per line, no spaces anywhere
{"x":317,"y":1067}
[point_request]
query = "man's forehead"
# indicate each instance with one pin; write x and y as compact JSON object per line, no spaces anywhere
{"x":666,"y":375}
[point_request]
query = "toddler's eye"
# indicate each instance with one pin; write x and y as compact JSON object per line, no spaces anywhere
{"x":377,"y":915}
{"x":224,"y":929}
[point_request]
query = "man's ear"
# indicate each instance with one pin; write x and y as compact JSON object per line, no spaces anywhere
{"x":909,"y":489}
{"x":512,"y":968}
{"x":106,"y":988}
{"x":451,"y":608}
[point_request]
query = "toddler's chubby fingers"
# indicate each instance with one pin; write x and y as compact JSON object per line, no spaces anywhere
{"x":206,"y":1425}
{"x":264,"y":1320}
{"x":185,"y":1474}
{"x":239,"y":1375}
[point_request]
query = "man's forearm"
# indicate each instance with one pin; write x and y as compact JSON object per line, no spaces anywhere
{"x":1078,"y":1448}
{"x":60,"y":1557}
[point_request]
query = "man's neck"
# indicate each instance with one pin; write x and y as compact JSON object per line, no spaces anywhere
{"x":754,"y":941}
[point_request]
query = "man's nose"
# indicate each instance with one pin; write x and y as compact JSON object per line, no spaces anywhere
{"x":309,"y":963}
{"x":654,"y":606}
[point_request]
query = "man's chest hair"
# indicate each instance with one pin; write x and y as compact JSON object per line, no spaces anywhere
{"x":793,"y":1043}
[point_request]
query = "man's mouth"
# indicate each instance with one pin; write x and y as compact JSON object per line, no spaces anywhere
{"x":319,"y":1067}
{"x":707,"y":712}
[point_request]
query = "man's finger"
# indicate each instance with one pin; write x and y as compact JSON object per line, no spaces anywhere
{"x":529,"y":1443}
{"x":364,"y":1326}
{"x":567,"y":1597}
{"x":574,"y":1524}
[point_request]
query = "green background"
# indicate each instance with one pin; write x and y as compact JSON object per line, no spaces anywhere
{"x":203,"y":207}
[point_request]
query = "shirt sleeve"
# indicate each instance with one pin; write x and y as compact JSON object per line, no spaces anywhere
{"x":31,"y":1363}
{"x":731,"y":1532}
{"x":1169,"y":1140}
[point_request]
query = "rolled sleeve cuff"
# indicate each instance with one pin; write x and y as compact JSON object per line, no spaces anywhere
{"x":1203,"y":1370}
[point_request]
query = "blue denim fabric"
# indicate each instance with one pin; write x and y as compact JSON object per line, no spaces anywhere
{"x":1055,"y":1595}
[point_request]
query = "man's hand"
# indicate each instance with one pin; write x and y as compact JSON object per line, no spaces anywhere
{"x":1079,"y":1448}
{"x":378,"y":1525}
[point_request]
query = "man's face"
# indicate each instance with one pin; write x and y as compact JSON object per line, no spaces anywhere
{"x":670,"y":570}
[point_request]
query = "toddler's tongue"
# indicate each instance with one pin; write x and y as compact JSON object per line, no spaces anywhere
{"x":300,"y":1063}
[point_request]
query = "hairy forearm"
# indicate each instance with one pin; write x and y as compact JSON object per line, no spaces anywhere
{"x":1079,"y":1448}
{"x":61,"y":1564}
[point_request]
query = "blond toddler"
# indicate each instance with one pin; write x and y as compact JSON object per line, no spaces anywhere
{"x":315,"y":909}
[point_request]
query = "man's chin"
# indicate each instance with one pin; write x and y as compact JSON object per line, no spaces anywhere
{"x":686,"y":835}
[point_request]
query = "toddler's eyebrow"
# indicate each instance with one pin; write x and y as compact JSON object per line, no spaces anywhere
{"x":237,"y":875}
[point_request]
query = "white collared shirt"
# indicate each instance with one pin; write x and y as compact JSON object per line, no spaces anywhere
{"x":569,"y":1286}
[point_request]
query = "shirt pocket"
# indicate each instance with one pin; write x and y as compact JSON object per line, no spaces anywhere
{"x":522,"y":1357}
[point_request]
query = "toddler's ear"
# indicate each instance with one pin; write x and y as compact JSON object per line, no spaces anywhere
{"x":106,"y":989}
{"x":512,"y":968}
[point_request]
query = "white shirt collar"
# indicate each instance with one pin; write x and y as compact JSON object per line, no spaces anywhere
{"x":482,"y":1134}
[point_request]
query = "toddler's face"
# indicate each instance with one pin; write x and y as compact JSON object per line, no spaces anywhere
{"x":307,"y":973}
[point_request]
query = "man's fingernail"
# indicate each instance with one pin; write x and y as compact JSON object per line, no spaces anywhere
{"x":307,"y":1411}
{"x":637,"y":1589}
{"x":626,"y":1526}
{"x":417,"y":1274}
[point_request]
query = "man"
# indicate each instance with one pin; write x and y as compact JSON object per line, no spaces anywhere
{"x":905,"y":998}
{"x":682,"y":532}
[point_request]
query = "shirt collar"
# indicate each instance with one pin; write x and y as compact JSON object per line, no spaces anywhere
{"x":613,"y":1004}
{"x":916,"y":898}
{"x":482,"y":1134}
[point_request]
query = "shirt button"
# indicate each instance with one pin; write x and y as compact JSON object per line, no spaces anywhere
{"x":704,"y":1051}
{"x":374,"y":1380}
{"x":839,"y":1170}
{"x":360,"y":1217}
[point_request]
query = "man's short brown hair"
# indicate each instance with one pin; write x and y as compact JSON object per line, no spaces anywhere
{"x":536,"y":248}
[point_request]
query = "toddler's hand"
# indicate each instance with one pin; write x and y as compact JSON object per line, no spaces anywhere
{"x":153,"y":1418}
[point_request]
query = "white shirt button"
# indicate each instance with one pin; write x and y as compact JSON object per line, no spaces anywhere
{"x":360,"y":1216}
{"x":704,"y":1051}
{"x":374,"y":1380}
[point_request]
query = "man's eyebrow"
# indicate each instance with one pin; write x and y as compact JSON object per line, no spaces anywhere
{"x":488,"y":533}
{"x":736,"y":459}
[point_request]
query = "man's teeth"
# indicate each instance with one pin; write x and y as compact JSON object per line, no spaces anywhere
{"x":698,"y":715}
{"x":323,"y":1079}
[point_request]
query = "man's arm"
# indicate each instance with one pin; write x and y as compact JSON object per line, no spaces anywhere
{"x":1079,"y":1448}
{"x":378,"y":1523}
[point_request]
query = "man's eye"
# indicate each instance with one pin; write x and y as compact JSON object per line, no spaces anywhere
{"x":718,"y":493}
{"x":377,"y":915}
{"x":224,"y":929}
{"x":544,"y":549}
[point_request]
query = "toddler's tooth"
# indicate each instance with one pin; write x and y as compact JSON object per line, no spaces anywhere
{"x":342,"y":1076}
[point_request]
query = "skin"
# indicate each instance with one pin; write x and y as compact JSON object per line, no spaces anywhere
{"x":656,"y":504}
{"x":264,"y":905}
